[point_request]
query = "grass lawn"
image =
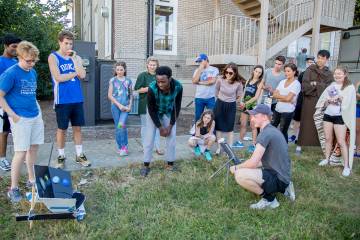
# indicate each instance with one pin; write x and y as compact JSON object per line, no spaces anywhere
{"x":122,"y":205}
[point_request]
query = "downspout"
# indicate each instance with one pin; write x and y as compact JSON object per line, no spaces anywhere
{"x":112,"y":29}
{"x":149,"y":28}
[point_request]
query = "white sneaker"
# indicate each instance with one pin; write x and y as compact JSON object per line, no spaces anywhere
{"x":290,"y":192}
{"x":265,"y":204}
{"x":324,"y":162}
{"x":346,"y":172}
{"x":247,"y":138}
{"x":218,"y":151}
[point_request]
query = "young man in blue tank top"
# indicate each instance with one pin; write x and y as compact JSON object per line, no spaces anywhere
{"x":66,"y":71}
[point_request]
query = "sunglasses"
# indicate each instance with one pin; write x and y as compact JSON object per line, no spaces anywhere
{"x":230,"y":73}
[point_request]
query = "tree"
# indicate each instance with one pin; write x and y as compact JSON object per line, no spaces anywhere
{"x":357,"y":13}
{"x":38,"y":23}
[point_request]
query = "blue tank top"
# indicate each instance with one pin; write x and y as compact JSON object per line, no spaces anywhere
{"x":69,"y":91}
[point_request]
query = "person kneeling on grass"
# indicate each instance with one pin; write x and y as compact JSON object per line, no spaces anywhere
{"x":164,"y":103}
{"x":268,"y":170}
{"x":204,"y":135}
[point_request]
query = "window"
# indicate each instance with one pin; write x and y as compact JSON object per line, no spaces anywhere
{"x":165,"y":27}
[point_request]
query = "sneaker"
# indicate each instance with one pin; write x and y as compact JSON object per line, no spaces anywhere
{"x":14,"y":195}
{"x":159,"y":152}
{"x":207,"y":155}
{"x":292,"y":138}
{"x":324,"y":162}
{"x":237,"y":144}
{"x":144,"y":171}
{"x":265,"y":204}
{"x":171,"y":168}
{"x":290,"y":192}
{"x":5,"y":165}
{"x":251,"y":149}
{"x":247,"y":138}
{"x":29,"y":184}
{"x":197,"y":151}
{"x":218,"y":151}
{"x":61,"y":162}
{"x":123,"y":152}
{"x":83,"y":160}
{"x":346,"y":172}
{"x":298,"y":151}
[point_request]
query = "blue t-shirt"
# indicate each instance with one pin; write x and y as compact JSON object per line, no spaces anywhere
{"x":20,"y":88}
{"x":69,"y":91}
{"x":5,"y":63}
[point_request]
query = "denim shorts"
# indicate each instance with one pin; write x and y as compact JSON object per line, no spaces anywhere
{"x":357,"y":110}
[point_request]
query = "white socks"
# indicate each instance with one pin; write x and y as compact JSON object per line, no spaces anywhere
{"x":79,"y":150}
{"x":61,"y":152}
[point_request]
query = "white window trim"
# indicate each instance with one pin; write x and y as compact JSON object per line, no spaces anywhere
{"x":174,"y":4}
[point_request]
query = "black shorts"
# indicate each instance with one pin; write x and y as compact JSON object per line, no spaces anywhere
{"x":272,"y":184}
{"x":333,"y":119}
{"x":6,"y":123}
{"x":72,"y":112}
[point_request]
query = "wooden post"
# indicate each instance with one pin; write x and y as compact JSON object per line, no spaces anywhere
{"x":315,"y":40}
{"x":264,"y":22}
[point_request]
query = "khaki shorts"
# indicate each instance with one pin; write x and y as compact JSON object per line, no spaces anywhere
{"x":27,"y":132}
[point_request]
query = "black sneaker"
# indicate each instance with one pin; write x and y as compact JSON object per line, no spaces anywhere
{"x":171,"y":168}
{"x":83,"y":160}
{"x":144,"y":171}
{"x":14,"y":195}
{"x":61,"y":162}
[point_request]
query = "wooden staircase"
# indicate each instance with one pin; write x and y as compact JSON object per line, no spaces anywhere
{"x":236,"y":38}
{"x":250,"y":8}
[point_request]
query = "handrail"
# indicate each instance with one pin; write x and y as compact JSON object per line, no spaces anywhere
{"x":213,"y":19}
{"x":290,"y":20}
{"x":238,"y":35}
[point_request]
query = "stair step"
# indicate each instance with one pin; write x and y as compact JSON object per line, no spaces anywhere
{"x":251,"y":5}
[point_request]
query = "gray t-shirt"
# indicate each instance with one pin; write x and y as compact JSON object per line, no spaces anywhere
{"x":204,"y":91}
{"x":272,"y":80}
{"x":276,"y":156}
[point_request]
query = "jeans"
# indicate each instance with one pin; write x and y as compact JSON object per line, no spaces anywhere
{"x":150,"y":139}
{"x":143,"y":133}
{"x":284,"y":119}
{"x":120,"y":119}
{"x":201,"y":103}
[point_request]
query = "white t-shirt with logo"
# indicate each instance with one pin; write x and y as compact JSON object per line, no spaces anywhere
{"x":333,"y":109}
{"x":203,"y":91}
{"x":295,"y":88}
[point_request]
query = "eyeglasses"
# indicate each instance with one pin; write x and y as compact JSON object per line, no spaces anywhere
{"x":230,"y":73}
{"x":30,"y":61}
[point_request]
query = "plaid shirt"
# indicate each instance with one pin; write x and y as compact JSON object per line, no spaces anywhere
{"x":164,"y":104}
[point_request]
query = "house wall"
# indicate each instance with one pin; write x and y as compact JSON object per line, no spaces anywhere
{"x":131,"y":36}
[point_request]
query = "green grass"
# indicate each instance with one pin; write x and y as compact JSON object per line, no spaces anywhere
{"x":122,"y":205}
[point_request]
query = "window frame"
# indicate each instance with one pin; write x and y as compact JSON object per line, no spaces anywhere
{"x":174,"y":5}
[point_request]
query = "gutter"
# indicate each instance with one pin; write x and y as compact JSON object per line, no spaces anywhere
{"x":149,"y":28}
{"x":112,"y":29}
